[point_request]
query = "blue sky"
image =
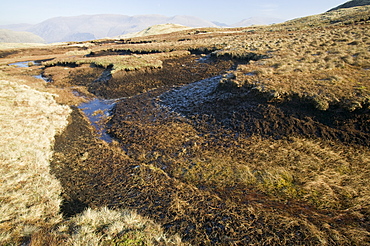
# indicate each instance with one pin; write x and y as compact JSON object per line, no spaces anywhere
{"x":226,"y":11}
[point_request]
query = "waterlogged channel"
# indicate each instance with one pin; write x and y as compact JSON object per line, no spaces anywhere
{"x":96,"y":110}
{"x":28,"y":64}
{"x":24,"y":64}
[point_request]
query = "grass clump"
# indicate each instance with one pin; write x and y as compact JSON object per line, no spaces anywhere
{"x":111,"y":227}
{"x":123,"y":63}
{"x":105,"y":227}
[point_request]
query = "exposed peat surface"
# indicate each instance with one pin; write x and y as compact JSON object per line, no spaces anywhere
{"x":175,"y":115}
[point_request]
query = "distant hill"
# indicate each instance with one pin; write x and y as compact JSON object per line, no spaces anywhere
{"x":89,"y":27}
{"x":9,"y":36}
{"x":257,"y":21}
{"x":350,"y":4}
{"x":220,"y":24}
{"x":155,"y":30}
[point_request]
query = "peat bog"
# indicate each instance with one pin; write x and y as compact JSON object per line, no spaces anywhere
{"x":207,"y":146}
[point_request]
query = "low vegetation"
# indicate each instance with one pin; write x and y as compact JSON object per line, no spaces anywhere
{"x":255,"y":135}
{"x":119,"y":63}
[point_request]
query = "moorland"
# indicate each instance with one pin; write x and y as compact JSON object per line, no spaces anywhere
{"x":221,"y":136}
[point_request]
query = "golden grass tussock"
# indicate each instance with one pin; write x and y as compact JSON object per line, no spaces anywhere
{"x":327,"y":66}
{"x":29,"y":194}
{"x":113,"y":227}
{"x":103,"y":227}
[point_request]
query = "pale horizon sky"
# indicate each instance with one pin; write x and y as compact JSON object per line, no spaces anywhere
{"x":228,"y":12}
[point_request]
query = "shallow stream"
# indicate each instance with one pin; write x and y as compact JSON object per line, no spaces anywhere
{"x":27,"y":64}
{"x":23,"y":64}
{"x":96,"y":110}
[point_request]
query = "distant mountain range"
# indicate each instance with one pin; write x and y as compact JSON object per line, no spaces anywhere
{"x":252,"y":21}
{"x":90,"y":27}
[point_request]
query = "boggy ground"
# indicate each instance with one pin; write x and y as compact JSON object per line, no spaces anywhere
{"x":94,"y":173}
{"x":189,"y":167}
{"x":247,"y":156}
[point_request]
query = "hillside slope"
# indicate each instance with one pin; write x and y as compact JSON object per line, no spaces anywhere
{"x":351,"y":4}
{"x":9,"y":36}
{"x":156,"y":30}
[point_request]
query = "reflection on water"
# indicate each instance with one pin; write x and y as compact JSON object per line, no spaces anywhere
{"x":27,"y":64}
{"x":98,"y":110}
{"x":42,"y":77}
{"x":24,"y":64}
{"x":20,"y":64}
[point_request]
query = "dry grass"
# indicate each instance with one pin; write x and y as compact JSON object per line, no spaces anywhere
{"x":156,"y":30}
{"x":29,"y":194}
{"x":326,"y":66}
{"x":4,"y":46}
{"x":105,"y":227}
{"x":346,"y":16}
{"x":109,"y":227}
{"x":119,"y":63}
